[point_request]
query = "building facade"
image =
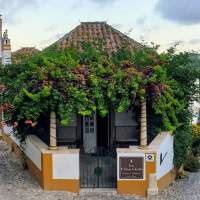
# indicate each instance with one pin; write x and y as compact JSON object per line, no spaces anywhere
{"x":5,"y":55}
{"x":5,"y":45}
{"x":95,"y":151}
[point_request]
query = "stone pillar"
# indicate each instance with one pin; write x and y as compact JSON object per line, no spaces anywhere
{"x":143,"y":129}
{"x":152,"y":191}
{"x":53,"y":140}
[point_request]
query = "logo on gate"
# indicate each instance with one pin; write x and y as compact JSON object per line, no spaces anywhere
{"x":98,"y":171}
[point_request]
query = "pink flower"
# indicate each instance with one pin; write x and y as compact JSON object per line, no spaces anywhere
{"x":28,"y":121}
{"x":34,"y":124}
{"x":15,"y":124}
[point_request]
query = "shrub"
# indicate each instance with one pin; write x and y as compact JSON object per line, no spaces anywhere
{"x":192,"y":164}
{"x":182,"y":142}
{"x":196,"y":132}
{"x":196,"y":139}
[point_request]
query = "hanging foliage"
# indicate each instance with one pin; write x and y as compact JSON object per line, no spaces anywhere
{"x":69,"y":81}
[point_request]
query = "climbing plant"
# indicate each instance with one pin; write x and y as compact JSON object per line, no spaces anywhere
{"x":184,"y":71}
{"x":70,"y":81}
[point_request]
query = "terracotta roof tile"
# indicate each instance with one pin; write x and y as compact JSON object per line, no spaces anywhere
{"x":23,"y":52}
{"x":98,"y":33}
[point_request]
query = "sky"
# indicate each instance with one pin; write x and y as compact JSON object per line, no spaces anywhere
{"x":39,"y":23}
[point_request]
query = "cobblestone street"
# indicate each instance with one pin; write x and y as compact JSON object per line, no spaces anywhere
{"x":183,"y":189}
{"x":17,"y":184}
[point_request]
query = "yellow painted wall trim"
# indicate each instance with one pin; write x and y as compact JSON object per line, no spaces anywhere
{"x":166,"y":180}
{"x":49,"y":183}
{"x":14,"y":147}
{"x":44,"y":177}
{"x":138,"y":187}
{"x":34,"y":171}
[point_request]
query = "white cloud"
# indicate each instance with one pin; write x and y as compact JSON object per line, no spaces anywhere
{"x":9,"y":8}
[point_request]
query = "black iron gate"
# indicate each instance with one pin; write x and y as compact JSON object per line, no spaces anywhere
{"x":98,"y":170}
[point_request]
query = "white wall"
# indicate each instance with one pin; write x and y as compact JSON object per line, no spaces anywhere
{"x":195,"y":107}
{"x":195,"y":110}
{"x":65,"y":165}
{"x":33,"y":153}
{"x":29,"y":148}
{"x":165,"y":148}
{"x":9,"y":131}
{"x":6,"y":57}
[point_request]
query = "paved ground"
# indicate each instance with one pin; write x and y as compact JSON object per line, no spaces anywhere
{"x":188,"y":189}
{"x":17,"y":184}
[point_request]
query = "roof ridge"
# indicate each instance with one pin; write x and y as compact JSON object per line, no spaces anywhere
{"x":69,"y":33}
{"x":95,"y":22}
{"x":123,"y":35}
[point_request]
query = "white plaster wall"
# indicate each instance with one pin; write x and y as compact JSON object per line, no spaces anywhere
{"x":132,"y":154}
{"x":6,"y":57}
{"x":195,"y":110}
{"x":33,"y":152}
{"x":9,"y":131}
{"x":166,"y":146}
{"x":29,"y":148}
{"x":195,"y":107}
{"x":65,"y":165}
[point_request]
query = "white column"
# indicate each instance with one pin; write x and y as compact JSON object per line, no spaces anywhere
{"x":152,"y":191}
{"x":143,"y":130}
{"x":53,"y":140}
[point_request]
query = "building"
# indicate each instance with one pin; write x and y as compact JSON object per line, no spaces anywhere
{"x":195,"y":107}
{"x":23,"y":53}
{"x":5,"y":45}
{"x":5,"y":54}
{"x":95,"y":151}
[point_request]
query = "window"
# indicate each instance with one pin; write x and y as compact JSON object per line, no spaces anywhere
{"x":68,"y":134}
{"x":124,"y":118}
{"x":126,"y":127}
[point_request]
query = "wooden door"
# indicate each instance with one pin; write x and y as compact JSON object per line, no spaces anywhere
{"x":89,"y":134}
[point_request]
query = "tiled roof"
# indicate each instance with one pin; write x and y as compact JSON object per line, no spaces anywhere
{"x":24,"y":52}
{"x":100,"y":35}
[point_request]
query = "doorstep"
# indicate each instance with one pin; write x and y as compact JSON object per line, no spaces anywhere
{"x":110,"y":191}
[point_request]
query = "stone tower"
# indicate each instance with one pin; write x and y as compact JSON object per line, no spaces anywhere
{"x":5,"y":46}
